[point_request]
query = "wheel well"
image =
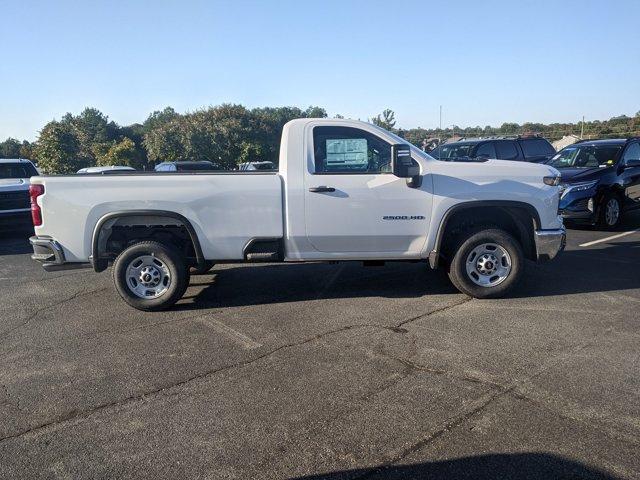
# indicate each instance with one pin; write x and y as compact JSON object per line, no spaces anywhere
{"x":517,"y":221}
{"x":116,"y":232}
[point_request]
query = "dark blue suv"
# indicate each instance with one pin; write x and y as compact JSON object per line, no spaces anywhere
{"x":600,"y":180}
{"x":519,"y":148}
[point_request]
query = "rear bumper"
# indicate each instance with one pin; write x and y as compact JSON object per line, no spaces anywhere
{"x":50,"y":254}
{"x":549,"y":243}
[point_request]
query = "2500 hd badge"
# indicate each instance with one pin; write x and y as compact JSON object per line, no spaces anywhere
{"x":403,"y":217}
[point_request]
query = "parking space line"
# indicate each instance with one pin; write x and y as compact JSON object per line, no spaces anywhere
{"x":241,"y":338}
{"x":606,"y":239}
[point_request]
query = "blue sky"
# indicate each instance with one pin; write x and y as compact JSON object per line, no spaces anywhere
{"x":486,"y":62}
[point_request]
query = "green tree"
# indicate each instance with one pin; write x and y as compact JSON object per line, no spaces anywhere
{"x":91,"y":127}
{"x":10,"y":148}
{"x":251,"y":152}
{"x":164,"y":143}
{"x":315,"y":112}
{"x":121,"y":153}
{"x":158,"y":118}
{"x":509,"y":128}
{"x":26,"y":150}
{"x":57,"y":149}
{"x":387,"y":120}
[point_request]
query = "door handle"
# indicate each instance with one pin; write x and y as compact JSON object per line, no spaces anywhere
{"x":322,"y":189}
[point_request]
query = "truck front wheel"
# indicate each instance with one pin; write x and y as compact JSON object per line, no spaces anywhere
{"x":487,"y":263}
{"x":150,"y":276}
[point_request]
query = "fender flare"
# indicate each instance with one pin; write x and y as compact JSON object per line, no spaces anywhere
{"x":99,"y":266}
{"x":435,"y":253}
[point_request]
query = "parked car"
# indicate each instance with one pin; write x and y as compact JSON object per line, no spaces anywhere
{"x":346,"y":190}
{"x":252,"y":166}
{"x":107,"y":169}
{"x":600,"y":180}
{"x":14,"y":190}
{"x":530,"y":149}
{"x":186,"y":166}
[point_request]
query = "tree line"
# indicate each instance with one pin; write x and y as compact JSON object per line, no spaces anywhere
{"x":230,"y":134}
{"x":621,"y":126}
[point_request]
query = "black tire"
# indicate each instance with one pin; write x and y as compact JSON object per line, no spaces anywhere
{"x":603,"y":219}
{"x":475,"y":238}
{"x":208,"y":265}
{"x":169,"y":257}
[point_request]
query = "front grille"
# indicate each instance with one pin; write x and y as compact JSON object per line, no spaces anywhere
{"x":14,"y":200}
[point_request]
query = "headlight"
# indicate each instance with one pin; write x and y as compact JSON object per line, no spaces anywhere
{"x":579,"y":187}
{"x":552,"y":181}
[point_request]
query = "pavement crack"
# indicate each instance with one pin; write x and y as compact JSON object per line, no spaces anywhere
{"x":7,"y":399}
{"x":40,"y":310}
{"x":433,"y":312}
{"x":609,"y":432}
{"x":438,"y":371}
{"x":483,"y":401}
{"x":81,"y":415}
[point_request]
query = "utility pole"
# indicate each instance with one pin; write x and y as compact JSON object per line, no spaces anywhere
{"x":440,"y":130}
{"x":582,"y":129}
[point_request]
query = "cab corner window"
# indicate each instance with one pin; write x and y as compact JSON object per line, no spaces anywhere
{"x":349,"y":150}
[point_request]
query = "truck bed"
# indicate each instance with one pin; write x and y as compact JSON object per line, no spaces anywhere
{"x":225,"y":209}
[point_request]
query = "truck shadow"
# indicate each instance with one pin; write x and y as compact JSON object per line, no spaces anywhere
{"x":518,"y":466}
{"x":233,"y":286}
{"x":610,"y":268}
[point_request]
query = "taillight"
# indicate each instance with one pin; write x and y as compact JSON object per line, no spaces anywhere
{"x":36,"y":214}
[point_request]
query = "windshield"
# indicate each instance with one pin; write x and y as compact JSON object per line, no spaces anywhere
{"x":17,"y":170}
{"x":453,"y":151}
{"x":586,"y":156}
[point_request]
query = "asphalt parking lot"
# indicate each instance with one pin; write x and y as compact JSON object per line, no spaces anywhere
{"x":325,"y":372}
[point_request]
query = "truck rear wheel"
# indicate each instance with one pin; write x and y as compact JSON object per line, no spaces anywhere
{"x":150,"y":276}
{"x":488,"y":263}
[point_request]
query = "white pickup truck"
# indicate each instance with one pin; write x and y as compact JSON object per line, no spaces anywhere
{"x":345,"y":191}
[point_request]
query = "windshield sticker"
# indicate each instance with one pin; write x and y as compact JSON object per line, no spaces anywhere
{"x":351,"y":152}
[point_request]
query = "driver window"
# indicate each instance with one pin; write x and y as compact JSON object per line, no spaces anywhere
{"x":349,"y":150}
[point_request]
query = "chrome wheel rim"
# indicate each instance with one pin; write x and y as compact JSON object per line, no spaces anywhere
{"x":612,"y":212}
{"x":488,"y":265}
{"x":148,"y":277}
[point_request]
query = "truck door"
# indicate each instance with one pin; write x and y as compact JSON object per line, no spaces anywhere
{"x":353,"y":203}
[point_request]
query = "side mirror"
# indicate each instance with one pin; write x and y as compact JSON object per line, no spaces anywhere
{"x":635,"y":162}
{"x":403,"y":166}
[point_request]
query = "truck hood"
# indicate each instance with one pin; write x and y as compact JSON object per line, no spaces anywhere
{"x":14,"y":184}
{"x":573,"y":175}
{"x":498,"y":169}
{"x":508,"y":178}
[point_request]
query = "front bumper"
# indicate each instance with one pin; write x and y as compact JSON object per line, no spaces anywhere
{"x":49,"y":252}
{"x":579,"y":206}
{"x":549,"y":243}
